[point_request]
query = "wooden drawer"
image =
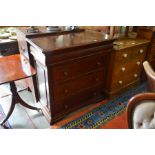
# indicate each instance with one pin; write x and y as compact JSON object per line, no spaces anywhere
{"x":73,"y":86}
{"x":139,"y":51}
{"x":78,"y":67}
{"x":126,"y":73}
{"x":127,"y":68}
{"x":80,"y":99}
{"x":128,"y":54}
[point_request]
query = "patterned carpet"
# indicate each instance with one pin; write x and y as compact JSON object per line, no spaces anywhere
{"x":2,"y":116}
{"x":106,"y":114}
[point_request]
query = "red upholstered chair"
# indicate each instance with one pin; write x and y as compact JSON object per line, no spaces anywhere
{"x":141,"y":107}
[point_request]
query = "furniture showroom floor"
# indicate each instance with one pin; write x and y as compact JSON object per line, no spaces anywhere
{"x":22,"y":118}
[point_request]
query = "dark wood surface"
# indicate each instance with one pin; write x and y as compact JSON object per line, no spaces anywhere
{"x":43,"y":32}
{"x":57,"y":43}
{"x":71,"y":70}
{"x":12,"y":68}
{"x":8,"y":47}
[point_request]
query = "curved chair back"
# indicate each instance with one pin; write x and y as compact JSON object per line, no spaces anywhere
{"x":150,"y":76}
{"x":141,"y":111}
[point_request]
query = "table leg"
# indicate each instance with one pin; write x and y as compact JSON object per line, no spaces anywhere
{"x":16,"y":99}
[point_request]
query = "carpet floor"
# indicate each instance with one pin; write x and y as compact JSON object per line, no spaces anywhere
{"x":104,"y":115}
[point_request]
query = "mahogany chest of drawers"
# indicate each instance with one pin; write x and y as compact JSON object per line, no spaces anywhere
{"x":126,"y":64}
{"x":71,"y":70}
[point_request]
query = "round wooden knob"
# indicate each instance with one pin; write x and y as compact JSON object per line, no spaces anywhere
{"x":123,"y":69}
{"x":138,"y":63}
{"x":125,"y":55}
{"x":135,"y":75}
{"x":141,"y":51}
{"x":66,"y":73}
{"x":120,"y":82}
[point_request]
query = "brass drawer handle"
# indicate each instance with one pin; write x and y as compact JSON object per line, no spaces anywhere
{"x":125,"y":55}
{"x":66,"y":73}
{"x":141,"y":51}
{"x":66,"y":106}
{"x":98,"y":63}
{"x":66,"y":91}
{"x":135,"y":75}
{"x":97,"y":79}
{"x":138,"y":63}
{"x":120,"y":82}
{"x":94,"y":94}
{"x":123,"y":69}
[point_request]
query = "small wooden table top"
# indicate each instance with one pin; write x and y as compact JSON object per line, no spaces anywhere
{"x":12,"y":68}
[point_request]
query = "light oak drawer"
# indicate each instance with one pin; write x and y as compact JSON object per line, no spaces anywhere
{"x":126,"y":55}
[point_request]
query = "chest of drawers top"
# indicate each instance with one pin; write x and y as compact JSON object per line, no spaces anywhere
{"x":128,"y":43}
{"x":53,"y":44}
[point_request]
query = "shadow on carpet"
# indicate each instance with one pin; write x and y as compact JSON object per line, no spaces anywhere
{"x":106,"y":112}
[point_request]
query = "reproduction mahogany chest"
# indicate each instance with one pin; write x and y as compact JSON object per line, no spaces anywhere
{"x":23,"y":34}
{"x":126,"y":64}
{"x":71,"y":70}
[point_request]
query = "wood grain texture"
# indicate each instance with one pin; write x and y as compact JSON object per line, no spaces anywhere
{"x":12,"y":68}
{"x":71,"y":70}
{"x":126,"y":64}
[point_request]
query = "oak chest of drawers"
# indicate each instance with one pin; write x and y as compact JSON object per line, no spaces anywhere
{"x":71,"y":70}
{"x":126,"y":64}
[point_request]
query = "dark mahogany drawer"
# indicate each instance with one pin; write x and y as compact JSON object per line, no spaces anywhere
{"x":78,"y":67}
{"x":78,"y":100}
{"x":73,"y":86}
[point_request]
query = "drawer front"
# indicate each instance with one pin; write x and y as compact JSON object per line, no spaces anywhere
{"x":139,"y":51}
{"x":76,"y":68}
{"x":126,"y":73}
{"x":129,"y":54}
{"x":127,"y":68}
{"x":72,"y":87}
{"x":74,"y":102}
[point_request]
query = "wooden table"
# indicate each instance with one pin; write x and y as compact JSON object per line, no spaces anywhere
{"x":12,"y":68}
